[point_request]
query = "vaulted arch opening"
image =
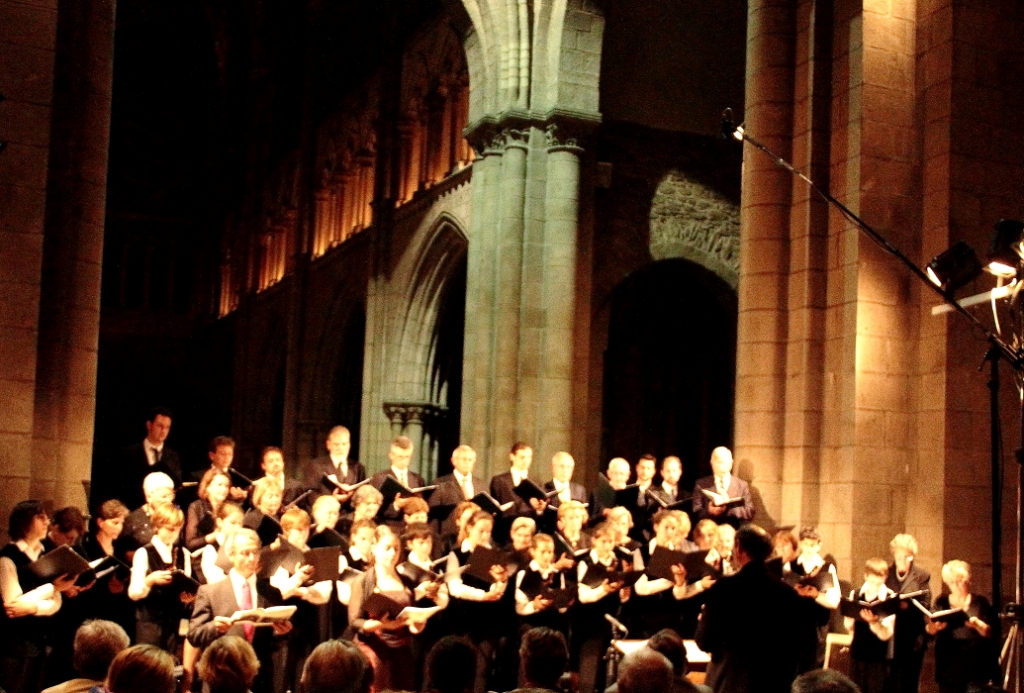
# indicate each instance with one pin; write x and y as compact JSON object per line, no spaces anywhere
{"x":670,"y":365}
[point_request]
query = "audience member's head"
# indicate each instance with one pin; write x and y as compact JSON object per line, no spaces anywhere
{"x":97,"y":642}
{"x":141,"y":669}
{"x":336,"y":666}
{"x":824,"y":681}
{"x":228,"y":665}
{"x":667,"y":642}
{"x":543,"y":656}
{"x":451,"y":665}
{"x":645,"y":671}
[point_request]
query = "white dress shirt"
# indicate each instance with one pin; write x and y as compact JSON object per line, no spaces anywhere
{"x":46,"y":599}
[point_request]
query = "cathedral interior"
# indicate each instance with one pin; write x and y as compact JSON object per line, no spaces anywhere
{"x":484,"y":221}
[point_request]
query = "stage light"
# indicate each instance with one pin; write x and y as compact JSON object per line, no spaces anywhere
{"x":954,"y":267}
{"x":1005,"y":252}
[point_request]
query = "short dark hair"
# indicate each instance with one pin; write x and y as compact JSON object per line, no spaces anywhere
{"x":451,"y":665}
{"x":159,"y":411}
{"x":402,"y":443}
{"x":417,"y":530}
{"x":543,"y":655}
{"x":97,"y":642}
{"x":824,"y":681}
{"x":336,"y":666}
{"x":141,"y":668}
{"x":811,"y":533}
{"x":754,"y":541}
{"x":220,"y":441}
{"x":667,"y":642}
{"x":69,"y":519}
{"x":648,"y":457}
{"x":519,"y":445}
{"x":21,"y":518}
{"x":270,"y":448}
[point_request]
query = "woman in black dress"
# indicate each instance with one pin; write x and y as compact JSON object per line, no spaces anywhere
{"x":200,"y":525}
{"x":966,"y":654}
{"x":108,"y":598}
{"x":383,"y":631}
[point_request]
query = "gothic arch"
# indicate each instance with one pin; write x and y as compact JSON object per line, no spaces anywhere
{"x":693,"y":221}
{"x":443,"y":249}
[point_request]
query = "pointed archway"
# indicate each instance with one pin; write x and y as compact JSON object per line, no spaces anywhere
{"x":670,"y":367}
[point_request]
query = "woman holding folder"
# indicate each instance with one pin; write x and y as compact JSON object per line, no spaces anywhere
{"x":375,"y":612}
{"x":27,"y":601}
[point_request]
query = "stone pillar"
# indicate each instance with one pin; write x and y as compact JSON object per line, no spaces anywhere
{"x":764,"y":224}
{"x":554,"y":427}
{"x":26,"y":62}
{"x":508,"y":289}
{"x":73,"y":252}
{"x":478,"y":393}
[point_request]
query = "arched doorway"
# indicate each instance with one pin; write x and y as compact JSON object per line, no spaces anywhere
{"x":670,"y":365}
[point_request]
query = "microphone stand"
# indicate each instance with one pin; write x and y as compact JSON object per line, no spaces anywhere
{"x":1012,"y":655}
{"x":613,"y":655}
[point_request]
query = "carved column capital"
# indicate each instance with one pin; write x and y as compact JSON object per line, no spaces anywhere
{"x":406,"y":413}
{"x":568,"y":131}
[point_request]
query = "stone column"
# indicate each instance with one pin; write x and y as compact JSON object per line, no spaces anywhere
{"x":73,"y":252}
{"x":554,"y":425}
{"x":477,"y":376}
{"x":508,"y":289}
{"x":764,"y":220}
{"x":27,"y":56}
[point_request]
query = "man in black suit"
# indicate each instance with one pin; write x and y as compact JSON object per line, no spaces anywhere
{"x":747,"y":626}
{"x":400,"y":456}
{"x":724,"y":483}
{"x":222,"y":453}
{"x":503,"y":490}
{"x":562,"y":466}
{"x":910,"y":640}
{"x":272,"y":464}
{"x":452,"y":489}
{"x":136,"y":461}
{"x":336,"y":465}
{"x":242,"y":589}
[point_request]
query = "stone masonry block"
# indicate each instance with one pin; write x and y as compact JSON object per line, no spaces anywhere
{"x":24,"y":165}
{"x":21,"y":254}
{"x":27,"y":74}
{"x":19,"y":305}
{"x":18,"y":346}
{"x":26,"y":123}
{"x":18,"y":398}
{"x":27,"y":25}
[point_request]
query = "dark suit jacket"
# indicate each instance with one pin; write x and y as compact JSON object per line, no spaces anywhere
{"x":576,"y":492}
{"x":132,"y":467}
{"x":315,"y":470}
{"x":748,"y":629}
{"x":738,"y":488}
{"x":218,"y":599}
{"x":504,"y":492}
{"x":909,"y":636}
{"x":448,"y":494}
{"x":387,"y":512}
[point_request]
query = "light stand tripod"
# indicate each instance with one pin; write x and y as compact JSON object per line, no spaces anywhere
{"x":1012,"y":657}
{"x":613,"y":655}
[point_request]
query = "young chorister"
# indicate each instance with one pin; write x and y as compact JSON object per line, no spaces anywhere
{"x":818,"y":601}
{"x":600,"y":593}
{"x":325,"y":511}
{"x":420,"y":574}
{"x":541,"y":588}
{"x":213,"y":559}
{"x":871,"y":650}
{"x":474,"y":607}
{"x":162,"y":599}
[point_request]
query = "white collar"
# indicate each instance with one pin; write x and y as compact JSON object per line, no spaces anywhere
{"x":33,"y":551}
{"x":237,"y":581}
{"x":670,"y":487}
{"x":544,"y":572}
{"x":150,"y":446}
{"x":726,"y":480}
{"x":356,"y":554}
{"x":809,"y":564}
{"x":461,"y":478}
{"x":517,"y":476}
{"x":339,"y":461}
{"x":166,"y":552}
{"x":466,"y":547}
{"x":400,"y":473}
{"x":561,"y":485}
{"x":594,"y":558}
{"x":883,"y":593}
{"x":415,"y":560}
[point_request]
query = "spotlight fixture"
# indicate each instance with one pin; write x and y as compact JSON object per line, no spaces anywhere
{"x":1005,"y":251}
{"x":954,"y":267}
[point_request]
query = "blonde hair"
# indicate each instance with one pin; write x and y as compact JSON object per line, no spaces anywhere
{"x":876,"y":566}
{"x":166,"y":515}
{"x":615,"y":513}
{"x":956,"y":569}
{"x":524,"y":522}
{"x":208,"y":477}
{"x":295,"y":518}
{"x":904,"y":541}
{"x":568,"y":507}
{"x":684,"y":522}
{"x":261,"y":487}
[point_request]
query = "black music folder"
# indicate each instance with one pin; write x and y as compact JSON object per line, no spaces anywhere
{"x":61,"y":561}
